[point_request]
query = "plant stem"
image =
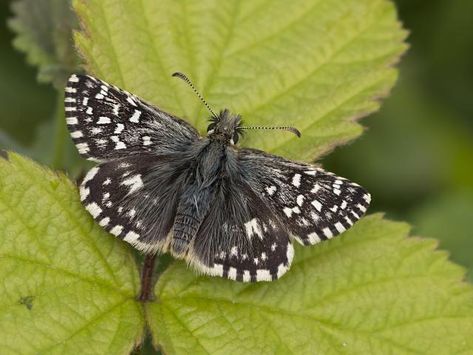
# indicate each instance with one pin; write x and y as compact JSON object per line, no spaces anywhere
{"x":147,"y":282}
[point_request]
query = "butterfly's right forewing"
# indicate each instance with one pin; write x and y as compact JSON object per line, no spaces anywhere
{"x":313,"y":204}
{"x":106,"y":122}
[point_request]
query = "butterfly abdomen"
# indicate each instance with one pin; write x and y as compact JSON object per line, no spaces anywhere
{"x":193,"y":207}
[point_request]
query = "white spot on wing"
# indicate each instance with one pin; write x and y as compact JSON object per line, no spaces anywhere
{"x":271,"y":190}
{"x":93,"y":209}
{"x":120,"y":127}
{"x":136,"y":116}
{"x":76,"y":134}
{"x":313,"y":238}
{"x":133,"y":182}
{"x":361,"y":208}
{"x":73,"y":78}
{"x":104,"y":222}
{"x":300,"y":200}
{"x":288,"y":211}
{"x":349,"y":221}
{"x":232,"y":273}
{"x":146,"y":140}
{"x":83,"y":148}
{"x":116,"y":109}
{"x":328,"y":233}
{"x":84,"y":192}
{"x":119,"y":143}
{"x":131,"y":101}
{"x":90,"y":175}
{"x":340,"y":227}
{"x":72,"y":120}
{"x":317,"y":205}
{"x":252,"y":227}
{"x":117,"y":230}
{"x":263,"y":275}
{"x":96,"y":130}
{"x":104,"y":120}
{"x":131,"y":237}
{"x":296,"y":180}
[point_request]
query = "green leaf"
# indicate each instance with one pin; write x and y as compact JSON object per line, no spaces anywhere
{"x":317,"y":65}
{"x":370,"y":291}
{"x":448,"y":218}
{"x":67,"y":286}
{"x":44,"y":33}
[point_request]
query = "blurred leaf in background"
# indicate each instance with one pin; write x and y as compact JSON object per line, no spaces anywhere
{"x":44,"y":33}
{"x":24,"y":103}
{"x":417,"y":159}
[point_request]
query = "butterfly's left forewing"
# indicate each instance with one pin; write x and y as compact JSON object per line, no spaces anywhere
{"x":107,"y":123}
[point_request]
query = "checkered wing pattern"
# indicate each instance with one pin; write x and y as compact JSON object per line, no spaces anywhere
{"x":313,"y":204}
{"x":106,"y":122}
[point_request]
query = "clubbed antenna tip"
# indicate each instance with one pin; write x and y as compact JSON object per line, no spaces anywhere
{"x":281,"y":128}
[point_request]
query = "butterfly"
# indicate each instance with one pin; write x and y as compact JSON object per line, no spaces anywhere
{"x":228,"y":211}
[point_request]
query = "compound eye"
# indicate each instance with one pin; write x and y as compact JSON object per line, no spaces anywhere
{"x":235,"y":138}
{"x":211,"y":127}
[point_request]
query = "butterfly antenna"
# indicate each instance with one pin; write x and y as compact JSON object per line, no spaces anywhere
{"x":187,"y":80}
{"x":282,"y":128}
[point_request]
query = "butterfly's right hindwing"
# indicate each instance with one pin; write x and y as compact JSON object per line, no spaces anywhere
{"x":106,"y":122}
{"x":241,"y":239}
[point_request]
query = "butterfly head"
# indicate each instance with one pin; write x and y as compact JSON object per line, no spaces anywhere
{"x":225,"y":127}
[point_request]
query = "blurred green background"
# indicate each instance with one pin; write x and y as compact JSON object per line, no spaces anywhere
{"x":416,"y":157}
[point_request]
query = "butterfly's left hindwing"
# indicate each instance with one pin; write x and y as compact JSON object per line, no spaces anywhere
{"x":135,"y":198}
{"x":313,"y":204}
